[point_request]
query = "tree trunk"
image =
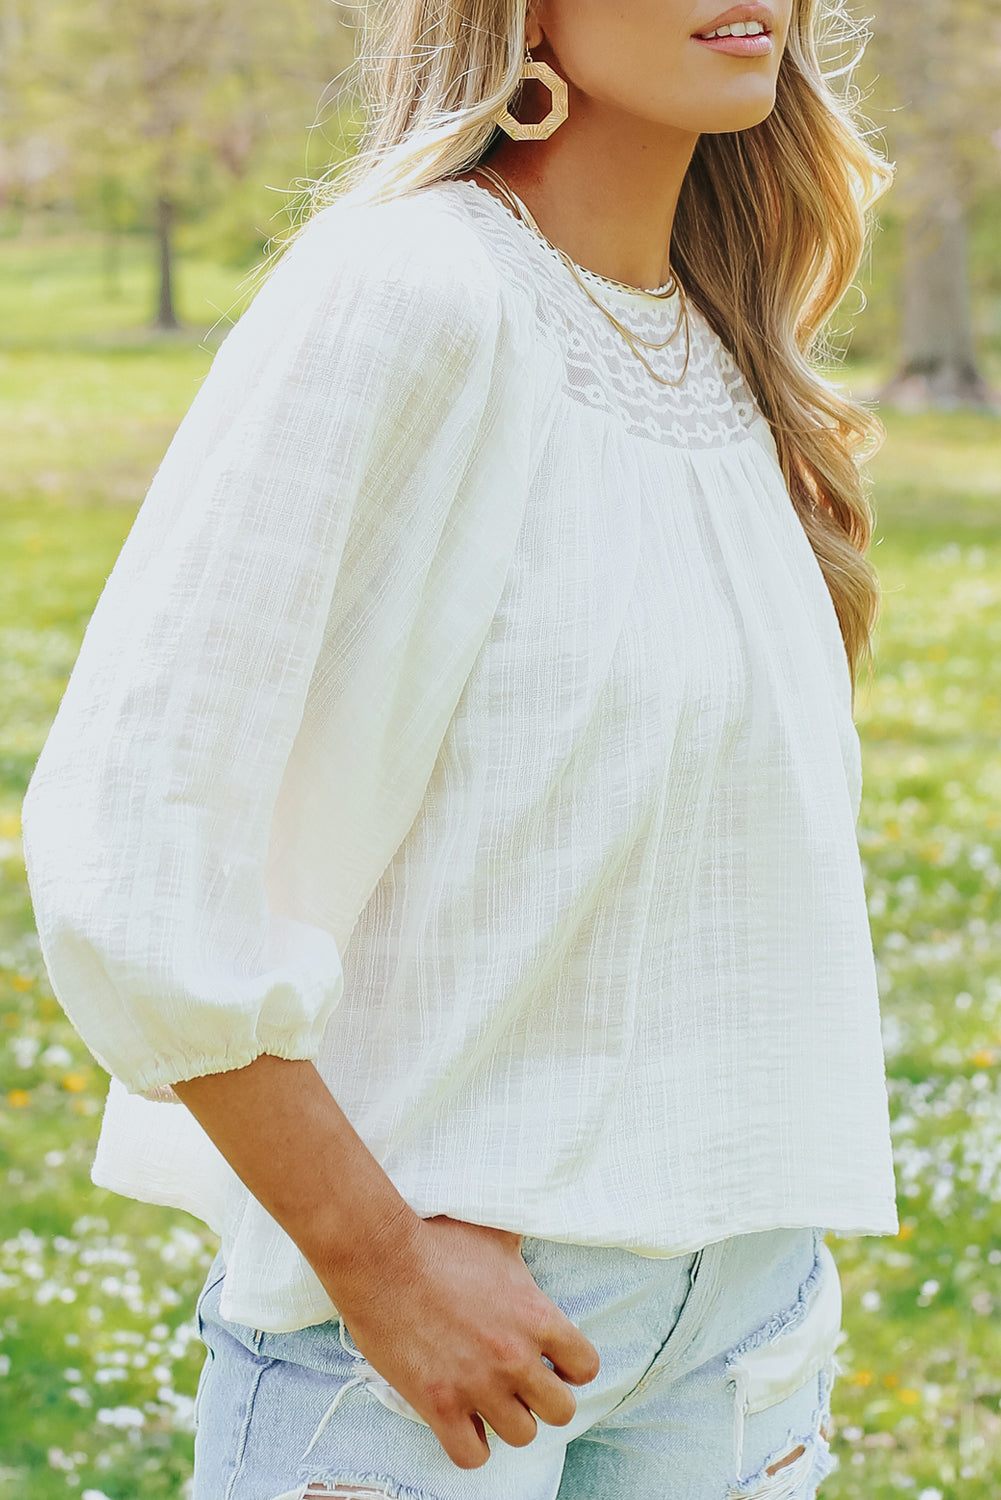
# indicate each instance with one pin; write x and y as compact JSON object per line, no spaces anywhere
{"x":938,"y":365}
{"x":166,"y":317}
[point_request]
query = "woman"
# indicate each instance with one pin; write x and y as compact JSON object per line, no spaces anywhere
{"x":447,"y":836}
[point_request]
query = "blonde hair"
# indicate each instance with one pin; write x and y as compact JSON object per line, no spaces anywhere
{"x":770,"y":230}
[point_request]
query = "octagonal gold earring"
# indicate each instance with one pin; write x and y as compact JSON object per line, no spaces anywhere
{"x":558,"y":112}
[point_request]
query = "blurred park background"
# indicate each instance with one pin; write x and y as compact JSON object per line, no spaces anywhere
{"x":147,"y":149}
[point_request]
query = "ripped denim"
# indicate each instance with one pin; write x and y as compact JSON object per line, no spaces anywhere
{"x":715,"y":1384}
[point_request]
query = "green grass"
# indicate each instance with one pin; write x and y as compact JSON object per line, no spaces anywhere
{"x":98,"y":1353}
{"x":60,"y":293}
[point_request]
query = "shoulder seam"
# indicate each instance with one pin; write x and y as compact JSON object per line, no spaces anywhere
{"x":408,"y":254}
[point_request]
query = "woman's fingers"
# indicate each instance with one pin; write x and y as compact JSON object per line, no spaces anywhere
{"x":462,"y":1436}
{"x":467,"y":1336}
{"x":549,"y":1397}
{"x":513,"y":1423}
{"x":513,"y":1417}
{"x":573,"y":1356}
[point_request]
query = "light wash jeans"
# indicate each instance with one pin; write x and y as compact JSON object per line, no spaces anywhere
{"x":715,"y":1367}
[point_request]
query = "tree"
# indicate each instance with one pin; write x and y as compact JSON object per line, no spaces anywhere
{"x":164,"y":103}
{"x":939,"y":67}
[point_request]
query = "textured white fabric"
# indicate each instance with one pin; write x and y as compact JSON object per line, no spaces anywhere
{"x":466,"y":711}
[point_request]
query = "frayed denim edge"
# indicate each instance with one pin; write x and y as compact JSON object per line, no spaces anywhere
{"x":387,"y":1488}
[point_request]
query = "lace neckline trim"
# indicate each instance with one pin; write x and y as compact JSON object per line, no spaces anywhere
{"x":628,"y":296}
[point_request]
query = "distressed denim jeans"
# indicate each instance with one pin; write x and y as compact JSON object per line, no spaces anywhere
{"x":715,"y":1384}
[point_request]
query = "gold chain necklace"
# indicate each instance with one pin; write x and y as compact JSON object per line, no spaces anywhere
{"x":632,"y":339}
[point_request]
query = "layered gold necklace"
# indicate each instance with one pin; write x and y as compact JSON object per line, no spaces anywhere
{"x":632,"y":339}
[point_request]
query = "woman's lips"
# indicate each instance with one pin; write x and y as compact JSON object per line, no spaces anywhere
{"x":739,"y":46}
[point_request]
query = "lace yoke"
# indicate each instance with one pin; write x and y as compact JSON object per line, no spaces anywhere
{"x":711,"y":408}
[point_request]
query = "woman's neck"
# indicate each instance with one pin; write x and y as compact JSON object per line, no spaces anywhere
{"x":592,"y":192}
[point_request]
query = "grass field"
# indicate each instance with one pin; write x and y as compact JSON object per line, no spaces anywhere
{"x":98,"y":1353}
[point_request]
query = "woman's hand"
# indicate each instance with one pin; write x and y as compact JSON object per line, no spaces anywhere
{"x":449,"y":1314}
{"x":444,"y":1310}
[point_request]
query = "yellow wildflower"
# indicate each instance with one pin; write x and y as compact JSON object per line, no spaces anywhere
{"x":10,"y":826}
{"x":18,"y":1098}
{"x":21,"y":982}
{"x":909,"y":1397}
{"x":74,"y":1082}
{"x":862,"y":1377}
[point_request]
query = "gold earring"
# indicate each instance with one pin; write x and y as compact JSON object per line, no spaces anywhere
{"x":557,"y":113}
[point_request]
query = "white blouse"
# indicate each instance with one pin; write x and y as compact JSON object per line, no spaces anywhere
{"x":466,"y":711}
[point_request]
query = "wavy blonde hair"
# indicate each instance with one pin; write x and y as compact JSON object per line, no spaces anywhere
{"x":771,"y":227}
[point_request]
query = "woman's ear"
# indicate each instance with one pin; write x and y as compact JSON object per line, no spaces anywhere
{"x":533,"y":24}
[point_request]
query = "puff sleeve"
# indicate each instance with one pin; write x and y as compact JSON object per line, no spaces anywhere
{"x":266,"y":678}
